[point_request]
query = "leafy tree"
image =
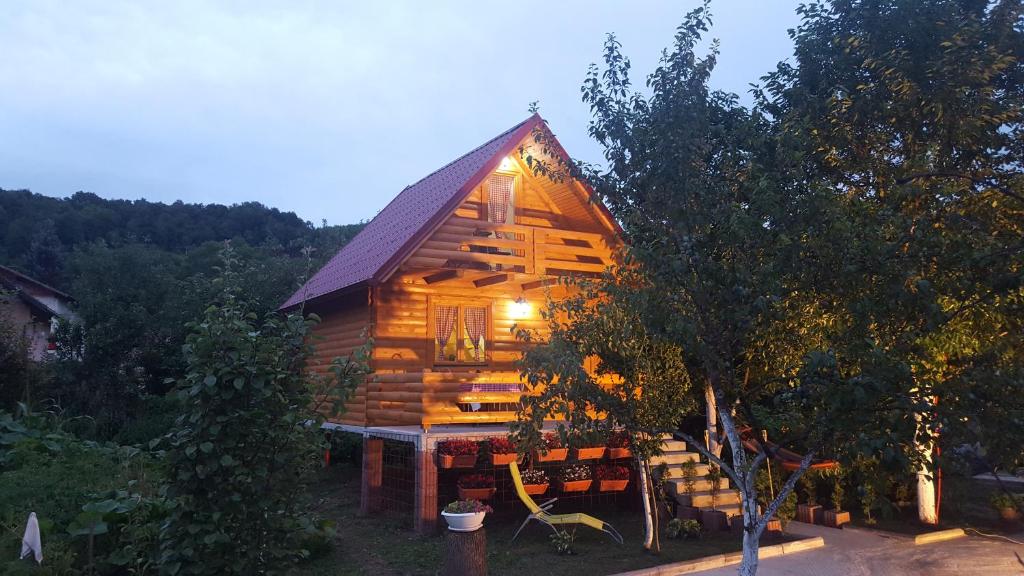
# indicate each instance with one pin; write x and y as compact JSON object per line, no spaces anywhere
{"x":242,"y":449}
{"x":914,"y":111}
{"x":600,"y":358}
{"x":808,"y":256}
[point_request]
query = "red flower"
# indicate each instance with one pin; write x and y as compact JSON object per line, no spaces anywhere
{"x":612,"y":472}
{"x":552,"y":440}
{"x":476,"y":481}
{"x":502,"y":446}
{"x":456,"y":447}
{"x":619,"y":439}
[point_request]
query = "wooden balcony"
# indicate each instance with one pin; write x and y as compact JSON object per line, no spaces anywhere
{"x":466,"y":243}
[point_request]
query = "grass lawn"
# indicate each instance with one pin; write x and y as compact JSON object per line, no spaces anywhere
{"x":386,"y":546}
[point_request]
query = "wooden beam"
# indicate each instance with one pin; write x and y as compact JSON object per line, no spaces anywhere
{"x":442,"y":276}
{"x":539,"y":283}
{"x":490,"y":280}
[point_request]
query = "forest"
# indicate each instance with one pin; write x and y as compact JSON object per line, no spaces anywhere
{"x":139,"y":272}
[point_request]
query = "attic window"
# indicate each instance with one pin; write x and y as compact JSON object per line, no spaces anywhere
{"x":501,"y":199}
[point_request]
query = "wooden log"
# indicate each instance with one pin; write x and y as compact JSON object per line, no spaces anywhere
{"x":465,"y":553}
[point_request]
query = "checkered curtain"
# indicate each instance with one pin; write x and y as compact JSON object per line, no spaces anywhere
{"x":445,"y":318}
{"x":499,"y":195}
{"x":476,"y":326}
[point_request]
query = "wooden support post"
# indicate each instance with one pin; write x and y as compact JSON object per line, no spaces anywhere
{"x":465,"y":553}
{"x":425,"y":506}
{"x":373,"y":475}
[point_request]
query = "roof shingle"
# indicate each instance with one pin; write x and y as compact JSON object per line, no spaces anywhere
{"x":396,"y":229}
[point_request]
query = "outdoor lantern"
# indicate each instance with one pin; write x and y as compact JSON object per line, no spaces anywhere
{"x":520,"y":308}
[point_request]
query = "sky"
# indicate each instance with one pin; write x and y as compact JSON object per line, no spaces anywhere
{"x":325,"y":109}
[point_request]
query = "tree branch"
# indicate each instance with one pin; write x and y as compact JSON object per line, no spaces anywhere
{"x":974,"y":179}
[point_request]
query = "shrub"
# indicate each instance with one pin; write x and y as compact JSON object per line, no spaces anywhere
{"x":476,"y":481}
{"x":587,"y":439}
{"x":1003,"y":500}
{"x":612,"y":472}
{"x":563,"y":541}
{"x":685,"y":529}
{"x":501,"y":445}
{"x":574,"y":473}
{"x":243,"y":447}
{"x":458,"y":447}
{"x":467,"y":507}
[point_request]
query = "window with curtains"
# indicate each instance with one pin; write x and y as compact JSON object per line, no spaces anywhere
{"x":461,"y":333}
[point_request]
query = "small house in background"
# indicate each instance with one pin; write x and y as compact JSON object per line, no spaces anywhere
{"x":438,"y":279}
{"x":35,"y":308}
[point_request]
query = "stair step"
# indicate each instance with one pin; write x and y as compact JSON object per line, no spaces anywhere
{"x":677,"y":486}
{"x":673,"y":446}
{"x":702,"y":499}
{"x":676,"y":471}
{"x":674,"y":458}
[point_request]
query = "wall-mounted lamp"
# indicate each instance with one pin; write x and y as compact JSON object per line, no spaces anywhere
{"x":506,"y":163}
{"x":520,"y":308}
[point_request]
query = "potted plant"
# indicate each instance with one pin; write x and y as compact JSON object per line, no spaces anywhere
{"x":552,"y":449}
{"x":689,"y":482}
{"x":1008,"y":506}
{"x":810,"y":512}
{"x":476,"y":486}
{"x":535,"y":482}
{"x":465,"y":515}
{"x":714,"y":519}
{"x":575,"y":478}
{"x":587,"y":446}
{"x":503,"y":451}
{"x":612,"y":478}
{"x":457,"y":453}
{"x":619,"y":445}
{"x":836,"y":517}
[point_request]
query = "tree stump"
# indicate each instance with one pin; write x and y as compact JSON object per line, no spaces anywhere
{"x":465,"y":553}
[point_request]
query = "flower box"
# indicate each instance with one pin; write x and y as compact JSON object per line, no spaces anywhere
{"x":593,"y":453}
{"x":836,"y":519}
{"x":462,"y":461}
{"x":575,"y":485}
{"x":612,"y":485}
{"x":536,"y":489}
{"x":809,"y":513}
{"x":619,"y":453}
{"x":552,"y":455}
{"x":503,"y":459}
{"x":468,"y":522}
{"x":476,"y":493}
{"x":714,"y":520}
{"x":687,"y":512}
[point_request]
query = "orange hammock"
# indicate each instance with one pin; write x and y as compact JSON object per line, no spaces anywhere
{"x":790,"y":460}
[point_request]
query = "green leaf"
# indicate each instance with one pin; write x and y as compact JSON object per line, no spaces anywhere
{"x":206,"y":447}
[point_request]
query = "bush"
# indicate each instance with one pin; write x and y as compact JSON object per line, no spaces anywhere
{"x":242,"y":450}
{"x":685,"y":529}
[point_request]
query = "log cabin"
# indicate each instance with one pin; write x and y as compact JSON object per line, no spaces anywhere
{"x":438,"y":279}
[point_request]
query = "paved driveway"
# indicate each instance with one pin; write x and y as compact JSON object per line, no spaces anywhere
{"x":856,"y":552}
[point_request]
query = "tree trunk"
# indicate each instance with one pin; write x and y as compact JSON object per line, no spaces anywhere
{"x":465,"y":553}
{"x":751,"y":545}
{"x":926,"y":511}
{"x":714,"y":446}
{"x":646,"y":495}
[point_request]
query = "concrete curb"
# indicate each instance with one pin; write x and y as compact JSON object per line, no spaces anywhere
{"x":720,"y":560}
{"x":939,"y":536}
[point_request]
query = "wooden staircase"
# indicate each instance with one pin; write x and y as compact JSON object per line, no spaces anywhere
{"x":674,"y":454}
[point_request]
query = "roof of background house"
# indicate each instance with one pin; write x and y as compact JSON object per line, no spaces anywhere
{"x":397,"y":229}
{"x":11,"y":278}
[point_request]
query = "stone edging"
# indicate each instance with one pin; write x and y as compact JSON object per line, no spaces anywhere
{"x":939,"y":536}
{"x":720,"y":560}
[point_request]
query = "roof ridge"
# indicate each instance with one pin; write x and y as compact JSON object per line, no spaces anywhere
{"x":473,"y":151}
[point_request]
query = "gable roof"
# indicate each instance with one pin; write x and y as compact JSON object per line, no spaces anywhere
{"x":391,"y":236}
{"x":14,"y":280}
